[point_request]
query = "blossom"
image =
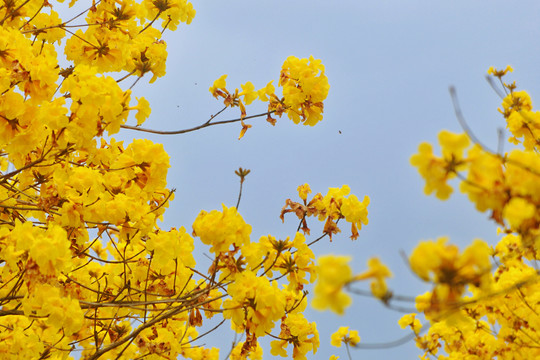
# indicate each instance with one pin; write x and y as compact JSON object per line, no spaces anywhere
{"x":221,"y":229}
{"x":266,"y":91}
{"x":219,"y":84}
{"x":305,"y":87}
{"x":378,"y":272}
{"x":334,"y":273}
{"x":517,"y":211}
{"x":143,"y":110}
{"x":248,"y":92}
{"x":296,"y":330}
{"x":412,"y":321}
{"x":345,"y":336}
{"x":499,"y":73}
{"x":433,"y":170}
{"x":255,"y":304}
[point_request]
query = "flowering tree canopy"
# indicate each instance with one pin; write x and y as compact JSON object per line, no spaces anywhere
{"x":86,"y":270}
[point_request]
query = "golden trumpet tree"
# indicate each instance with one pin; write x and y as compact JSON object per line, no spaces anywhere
{"x":85,"y":268}
{"x":87,"y":272}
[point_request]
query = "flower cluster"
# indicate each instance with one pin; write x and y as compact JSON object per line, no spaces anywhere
{"x":335,"y":276}
{"x":85,"y":267}
{"x":479,"y":308}
{"x":450,"y":272}
{"x":305,"y":87}
{"x":221,"y":230}
{"x":337,"y":204}
{"x":435,"y":170}
{"x":345,"y":336}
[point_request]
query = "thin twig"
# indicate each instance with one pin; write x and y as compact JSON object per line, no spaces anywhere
{"x":206,"y":124}
{"x":494,"y":87}
{"x":390,"y":344}
{"x":504,"y":159}
{"x":463,"y":123}
{"x":239,"y":195}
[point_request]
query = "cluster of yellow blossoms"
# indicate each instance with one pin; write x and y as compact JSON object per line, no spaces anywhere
{"x":85,"y":270}
{"x":305,"y":86}
{"x":484,"y":301}
{"x":331,"y":208}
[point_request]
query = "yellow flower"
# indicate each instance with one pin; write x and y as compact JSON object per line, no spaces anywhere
{"x":220,"y":83}
{"x":303,"y":191}
{"x":377,"y":271}
{"x":434,"y":171}
{"x":255,"y":304}
{"x":143,"y":110}
{"x":334,"y":273}
{"x":221,"y":229}
{"x":499,"y":73}
{"x":296,"y":330}
{"x":48,"y":27}
{"x":266,"y":91}
{"x":412,"y":321}
{"x":62,"y":312}
{"x":168,"y":246}
{"x":450,"y":271}
{"x":238,"y":352}
{"x":174,"y":12}
{"x":452,"y":146}
{"x":305,"y":87}
{"x":345,"y":336}
{"x":249,"y":93}
{"x":356,"y":213}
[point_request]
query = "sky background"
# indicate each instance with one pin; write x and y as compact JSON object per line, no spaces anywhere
{"x":389,"y":65}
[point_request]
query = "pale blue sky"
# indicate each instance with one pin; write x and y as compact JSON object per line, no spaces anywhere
{"x":389,"y":64}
